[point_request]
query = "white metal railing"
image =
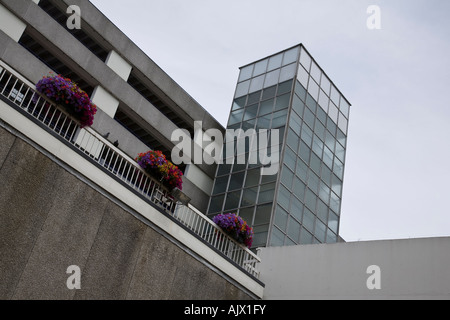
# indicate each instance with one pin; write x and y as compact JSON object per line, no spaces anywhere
{"x":23,"y":94}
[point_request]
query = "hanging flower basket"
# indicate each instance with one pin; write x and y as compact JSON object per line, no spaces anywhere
{"x":235,"y":227}
{"x":70,"y":97}
{"x":156,"y":165}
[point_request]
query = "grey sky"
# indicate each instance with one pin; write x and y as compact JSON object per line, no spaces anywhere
{"x":397,"y":79}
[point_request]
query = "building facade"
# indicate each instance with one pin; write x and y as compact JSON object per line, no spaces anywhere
{"x":306,"y":118}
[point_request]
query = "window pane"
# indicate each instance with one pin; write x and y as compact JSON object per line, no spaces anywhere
{"x":335,"y":203}
{"x":303,"y":77}
{"x":279,"y":119}
{"x":236,"y":181}
{"x":313,"y":89}
{"x":287,"y":176}
{"x":325,"y":84}
{"x":315,"y":72}
{"x":236,"y":116}
{"x":302,"y":170}
{"x":334,"y":95}
{"x":232,"y":201}
{"x":333,"y":222}
{"x":251,"y":112}
{"x":291,"y":56}
{"x":310,"y":200}
{"x":263,"y":213}
{"x":281,"y":218}
{"x":305,"y":60}
{"x":345,"y":107}
{"x":242,"y":88}
{"x":296,"y":208}
{"x":284,"y":197}
{"x":266,"y":107}
{"x":295,"y":123}
{"x":322,"y":211}
{"x":275,"y":62}
{"x":266,"y":193}
{"x":298,"y":106}
{"x":269,"y":92}
{"x":288,"y":72}
{"x":333,"y":112}
{"x":272,"y":78}
{"x":257,"y":84}
{"x":305,"y":152}
{"x":253,"y":177}
{"x":313,"y":182}
{"x":299,"y":188}
{"x":260,"y":68}
{"x":239,"y":103}
{"x":305,"y":237}
{"x":249,"y":197}
{"x":282,"y":102}
{"x":308,"y":220}
{"x":320,"y":231}
{"x":216,"y":204}
{"x":309,"y":118}
{"x":277,"y":238}
{"x":290,"y":158}
{"x":284,"y":87}
{"x":307,"y":135}
{"x":221,"y":185}
{"x":293,"y":140}
{"x":246,"y":73}
{"x":294,"y":230}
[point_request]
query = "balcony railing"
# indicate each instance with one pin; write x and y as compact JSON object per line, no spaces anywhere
{"x":24,"y":96}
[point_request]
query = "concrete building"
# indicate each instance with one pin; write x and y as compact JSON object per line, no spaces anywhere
{"x":74,"y":197}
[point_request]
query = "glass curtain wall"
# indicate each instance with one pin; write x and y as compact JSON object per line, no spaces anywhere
{"x":300,"y":204}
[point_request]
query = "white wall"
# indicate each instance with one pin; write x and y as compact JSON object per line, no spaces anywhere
{"x":409,"y":269}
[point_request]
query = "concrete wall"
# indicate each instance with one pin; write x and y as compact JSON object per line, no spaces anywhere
{"x":50,"y":219}
{"x":392,"y":269}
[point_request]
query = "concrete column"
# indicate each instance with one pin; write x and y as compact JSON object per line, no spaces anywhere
{"x":118,"y":65}
{"x":10,"y":24}
{"x":105,"y":101}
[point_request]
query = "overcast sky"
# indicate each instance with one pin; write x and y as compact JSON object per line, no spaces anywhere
{"x":397,"y":78}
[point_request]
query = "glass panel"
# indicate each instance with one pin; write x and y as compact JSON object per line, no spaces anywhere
{"x":284,"y":87}
{"x":236,"y":181}
{"x":333,"y":112}
{"x":266,"y":107}
{"x":263,"y":214}
{"x":336,"y":185}
{"x":331,"y":126}
{"x":303,"y":77}
{"x":300,"y":91}
{"x":290,"y":158}
{"x":279,"y":119}
{"x":343,"y":123}
{"x":307,"y":135}
{"x":322,"y":115}
{"x":260,"y":68}
{"x":266,"y":193}
{"x":247,"y":214}
{"x":322,"y":211}
{"x":308,"y":220}
{"x":323,"y":100}
{"x":331,"y":237}
{"x":345,"y":107}
{"x":284,"y":197}
{"x":277,"y":238}
{"x":299,"y":188}
{"x":296,"y":208}
{"x":246,"y":73}
{"x":272,"y":78}
{"x":298,"y":106}
{"x":321,"y":231}
{"x":335,"y":95}
{"x":315,"y":72}
{"x":216,"y":204}
{"x":342,"y":139}
{"x":309,"y":118}
{"x":315,"y":163}
{"x":305,"y":237}
{"x":264,"y":122}
{"x":310,"y":200}
{"x":260,"y":237}
{"x":281,"y":217}
{"x":254,"y":98}
{"x":220,"y":185}
{"x":282,"y":102}
{"x":250,"y":124}
{"x":236,"y":116}
{"x":295,"y":123}
{"x":305,"y":152}
{"x":333,"y":222}
{"x":320,"y":130}
{"x":338,"y":169}
{"x":335,"y":203}
{"x":224,"y":169}
{"x":288,"y":72}
{"x":317,"y":146}
{"x":330,"y":141}
{"x":287,"y":176}
{"x":242,"y":89}
{"x":302,"y":170}
{"x":294,"y":230}
{"x":269,"y":92}
{"x":324,"y":192}
{"x":251,"y":112}
{"x":305,"y":60}
{"x":249,"y":197}
{"x":232,"y":201}
{"x":291,"y":56}
{"x":257,"y":84}
{"x":313,"y":89}
{"x":313,"y":182}
{"x":293,"y":140}
{"x":253,"y":177}
{"x":239,"y":103}
{"x":325,"y":84}
{"x":326,"y":175}
{"x":340,"y":152}
{"x":275,"y":62}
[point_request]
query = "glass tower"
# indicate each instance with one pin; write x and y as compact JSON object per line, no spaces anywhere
{"x":301,"y":203}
